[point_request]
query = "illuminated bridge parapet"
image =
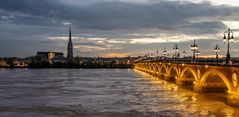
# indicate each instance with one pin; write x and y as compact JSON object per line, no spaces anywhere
{"x":204,"y":78}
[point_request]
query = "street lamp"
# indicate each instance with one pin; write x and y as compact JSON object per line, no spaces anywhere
{"x":184,"y":54}
{"x":217,"y":49}
{"x":165,"y":53}
{"x":178,"y":55}
{"x":157,"y":54}
{"x":175,"y":48}
{"x":194,"y":48}
{"x":197,"y":53}
{"x":228,"y":38}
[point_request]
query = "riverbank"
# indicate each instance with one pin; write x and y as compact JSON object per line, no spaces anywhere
{"x":70,"y":67}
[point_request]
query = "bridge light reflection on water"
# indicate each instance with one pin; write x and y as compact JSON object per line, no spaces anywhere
{"x":206,"y":104}
{"x":202,"y":78}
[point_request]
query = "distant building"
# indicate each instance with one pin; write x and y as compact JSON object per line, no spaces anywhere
{"x":3,"y":63}
{"x":51,"y":57}
{"x":70,"y":49}
{"x":20,"y":63}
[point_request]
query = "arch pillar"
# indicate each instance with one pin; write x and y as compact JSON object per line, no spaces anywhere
{"x":160,"y":75}
{"x":197,"y":87}
{"x":232,"y":98}
{"x":169,"y":77}
{"x":180,"y":80}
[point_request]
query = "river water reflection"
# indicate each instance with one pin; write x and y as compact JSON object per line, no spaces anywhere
{"x":101,"y":93}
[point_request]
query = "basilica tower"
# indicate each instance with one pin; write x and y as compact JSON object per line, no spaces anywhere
{"x":70,"y":49}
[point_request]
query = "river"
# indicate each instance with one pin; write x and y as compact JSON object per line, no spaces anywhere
{"x":102,"y":93}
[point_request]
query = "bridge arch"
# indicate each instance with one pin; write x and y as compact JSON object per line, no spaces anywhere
{"x":151,"y":67}
{"x":173,"y":71}
{"x":212,"y":72}
{"x":157,"y":68}
{"x":146,"y":66}
{"x":164,"y":69}
{"x":189,"y":69}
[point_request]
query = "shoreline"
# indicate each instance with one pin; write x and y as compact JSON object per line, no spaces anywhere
{"x":67,"y":67}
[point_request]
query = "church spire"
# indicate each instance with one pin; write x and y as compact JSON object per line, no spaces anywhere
{"x":70,"y":48}
{"x":70,"y":34}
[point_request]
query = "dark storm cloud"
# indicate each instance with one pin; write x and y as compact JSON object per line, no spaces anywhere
{"x":31,"y":22}
{"x":171,"y":15}
{"x":210,"y":27}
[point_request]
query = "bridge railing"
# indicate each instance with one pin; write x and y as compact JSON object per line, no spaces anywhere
{"x":199,"y":61}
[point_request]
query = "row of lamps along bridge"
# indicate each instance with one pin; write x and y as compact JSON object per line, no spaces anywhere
{"x":228,"y":38}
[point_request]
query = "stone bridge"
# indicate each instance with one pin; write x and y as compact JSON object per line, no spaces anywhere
{"x":203,"y":78}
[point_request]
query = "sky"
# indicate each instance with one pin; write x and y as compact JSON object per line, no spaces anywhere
{"x":118,"y":28}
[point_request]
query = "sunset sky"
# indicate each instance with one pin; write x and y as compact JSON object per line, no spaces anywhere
{"x":116,"y":27}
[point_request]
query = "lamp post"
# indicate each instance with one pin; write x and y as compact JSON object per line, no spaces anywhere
{"x":178,"y":55}
{"x":197,"y":54}
{"x":184,"y":54}
{"x":165,"y":53}
{"x":175,"y":48}
{"x":228,"y":38}
{"x":217,"y":49}
{"x":194,"y":48}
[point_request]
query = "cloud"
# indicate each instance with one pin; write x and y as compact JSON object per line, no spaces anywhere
{"x":164,"y":15}
{"x":116,"y":26}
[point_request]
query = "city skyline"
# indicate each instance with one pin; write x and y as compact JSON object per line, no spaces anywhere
{"x":116,"y":27}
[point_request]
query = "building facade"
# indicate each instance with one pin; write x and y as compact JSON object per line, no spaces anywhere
{"x":3,"y":63}
{"x":51,"y":57}
{"x":20,"y":63}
